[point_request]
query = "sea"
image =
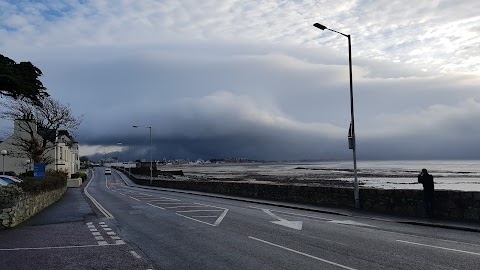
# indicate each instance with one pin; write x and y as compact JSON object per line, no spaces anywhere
{"x":463,"y":175}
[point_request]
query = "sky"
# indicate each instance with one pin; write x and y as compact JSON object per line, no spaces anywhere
{"x":255,"y":79}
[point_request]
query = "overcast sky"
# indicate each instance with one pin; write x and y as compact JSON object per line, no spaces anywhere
{"x":255,"y":79}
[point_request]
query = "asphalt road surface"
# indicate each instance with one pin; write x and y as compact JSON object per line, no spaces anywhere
{"x":178,"y":230}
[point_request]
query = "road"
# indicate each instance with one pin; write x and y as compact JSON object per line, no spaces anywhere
{"x":178,"y":230}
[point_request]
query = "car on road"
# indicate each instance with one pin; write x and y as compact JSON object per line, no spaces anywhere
{"x":108,"y":171}
{"x":10,"y":179}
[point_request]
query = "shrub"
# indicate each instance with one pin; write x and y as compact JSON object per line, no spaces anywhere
{"x":53,"y":180}
{"x":79,"y":175}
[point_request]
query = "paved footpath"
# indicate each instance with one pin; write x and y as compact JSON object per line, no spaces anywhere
{"x":68,"y":235}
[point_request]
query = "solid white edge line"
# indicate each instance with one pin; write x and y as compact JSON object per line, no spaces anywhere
{"x":61,"y":247}
{"x":97,"y":204}
{"x":301,"y":253}
{"x":444,"y":248}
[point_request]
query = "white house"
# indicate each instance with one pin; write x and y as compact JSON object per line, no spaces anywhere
{"x":63,"y":149}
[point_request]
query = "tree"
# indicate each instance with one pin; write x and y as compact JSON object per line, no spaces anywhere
{"x":20,"y":81}
{"x":42,"y":124}
{"x":84,"y":159}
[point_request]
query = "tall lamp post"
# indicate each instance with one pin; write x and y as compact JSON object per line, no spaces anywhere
{"x":351,"y":134}
{"x":4,"y":153}
{"x":119,"y":143}
{"x":151,"y":161}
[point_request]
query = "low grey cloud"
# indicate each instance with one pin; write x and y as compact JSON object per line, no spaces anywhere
{"x":247,"y":79}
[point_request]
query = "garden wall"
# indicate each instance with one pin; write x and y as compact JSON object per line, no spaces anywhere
{"x":16,"y":209}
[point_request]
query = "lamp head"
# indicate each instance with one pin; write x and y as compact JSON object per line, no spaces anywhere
{"x":320,"y":26}
{"x":4,"y":152}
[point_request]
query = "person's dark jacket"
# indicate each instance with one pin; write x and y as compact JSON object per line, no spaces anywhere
{"x":427,"y":181}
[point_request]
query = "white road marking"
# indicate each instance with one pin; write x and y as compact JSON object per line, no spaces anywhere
{"x":156,"y":206}
{"x":301,"y":253}
{"x":61,"y":247}
{"x":111,"y":233}
{"x":346,"y":222}
{"x":444,"y":248}
{"x":107,"y":229}
{"x":90,"y":224}
{"x":96,"y":233}
{"x":102,"y":243}
{"x":97,"y":204}
{"x":196,"y":220}
{"x":170,"y":203}
{"x":190,"y":211}
{"x":135,"y":254}
{"x":115,"y":237}
{"x":99,"y":238}
{"x":119,"y":242}
{"x":104,"y":225}
{"x":297,"y":225}
{"x":293,"y":214}
{"x":204,"y":216}
{"x":183,"y":206}
{"x":220,"y":218}
{"x":101,"y":223}
{"x":93,"y":230}
{"x":351,"y":222}
{"x":134,"y":198}
{"x":164,"y":200}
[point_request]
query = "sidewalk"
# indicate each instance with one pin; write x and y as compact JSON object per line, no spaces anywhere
{"x":67,"y":235}
{"x":347,"y":212}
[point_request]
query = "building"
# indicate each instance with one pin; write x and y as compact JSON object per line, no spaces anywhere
{"x":62,"y":149}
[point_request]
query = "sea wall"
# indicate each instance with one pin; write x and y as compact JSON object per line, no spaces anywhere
{"x":458,"y":205}
{"x":16,"y":209}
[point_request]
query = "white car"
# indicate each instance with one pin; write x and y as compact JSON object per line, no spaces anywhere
{"x":10,"y":179}
{"x":3,"y":182}
{"x":108,"y":171}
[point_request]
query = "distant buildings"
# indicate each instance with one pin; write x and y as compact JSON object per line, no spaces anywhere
{"x":62,"y":149}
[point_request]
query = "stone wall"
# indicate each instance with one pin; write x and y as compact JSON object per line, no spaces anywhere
{"x":458,"y":205}
{"x":23,"y":207}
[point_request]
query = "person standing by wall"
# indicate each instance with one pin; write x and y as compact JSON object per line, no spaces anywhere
{"x":428,"y":188}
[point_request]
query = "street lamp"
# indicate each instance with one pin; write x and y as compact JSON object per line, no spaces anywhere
{"x":119,"y":143}
{"x":4,"y":153}
{"x":351,"y":133}
{"x":27,"y":165}
{"x":151,"y":161}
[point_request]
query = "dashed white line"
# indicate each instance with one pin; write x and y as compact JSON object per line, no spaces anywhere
{"x":444,"y":248}
{"x":135,"y":254}
{"x":301,"y":253}
{"x":134,"y":198}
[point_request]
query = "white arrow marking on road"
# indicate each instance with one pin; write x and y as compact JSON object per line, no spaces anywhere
{"x":297,"y":225}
